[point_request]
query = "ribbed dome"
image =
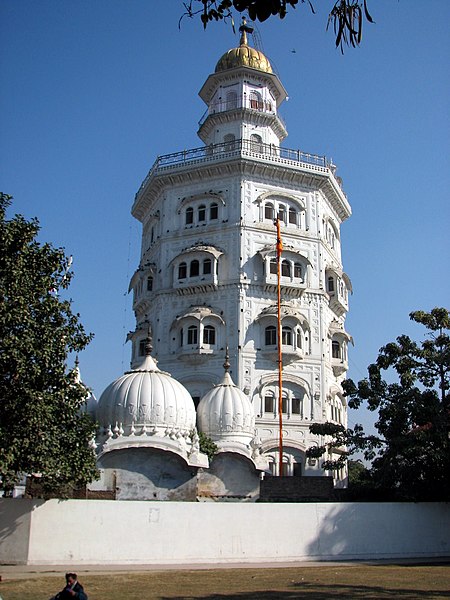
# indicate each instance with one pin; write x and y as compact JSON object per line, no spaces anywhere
{"x":225,"y":413}
{"x":244,"y":56}
{"x":146,"y":396}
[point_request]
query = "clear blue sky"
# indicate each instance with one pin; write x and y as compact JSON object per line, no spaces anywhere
{"x":93,"y":91}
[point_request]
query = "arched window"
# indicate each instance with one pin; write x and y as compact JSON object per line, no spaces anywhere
{"x":229,"y":140}
{"x":284,"y":404}
{"x":335,"y":349}
{"x":330,"y":284}
{"x":286,"y":268}
{"x":271,"y":336}
{"x":214,"y":211}
{"x":269,"y":212}
{"x":256,"y":143}
{"x":142,"y":347}
{"x":282,"y":213}
{"x":202,"y":213}
{"x":298,"y":273}
{"x":231,"y":101}
{"x":149,"y":284}
{"x":192,"y":335}
{"x":189,"y":215}
{"x":182,"y":270}
{"x":269,"y":403}
{"x":273,"y":266}
{"x":255,"y":101}
{"x":207,"y":266}
{"x":209,"y":335}
{"x":292,"y":216}
{"x":286,"y":336}
{"x":296,"y":405}
{"x":299,"y":338}
{"x":194,"y":269}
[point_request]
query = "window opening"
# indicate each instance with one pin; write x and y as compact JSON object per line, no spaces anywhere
{"x":214,"y":211}
{"x":182,"y":271}
{"x":292,"y":216}
{"x":273,"y":266}
{"x":271,"y":335}
{"x":286,"y":336}
{"x":202,"y":213}
{"x":335,"y":349}
{"x":296,"y":405}
{"x":192,"y":335}
{"x":268,"y":404}
{"x":189,"y":215}
{"x":231,"y":101}
{"x":269,"y":211}
{"x":194,"y":269}
{"x":256,"y":143}
{"x":207,"y":266}
{"x":286,"y":268}
{"x":209,"y":335}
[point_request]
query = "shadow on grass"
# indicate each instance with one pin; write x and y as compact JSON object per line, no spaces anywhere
{"x":322,"y":592}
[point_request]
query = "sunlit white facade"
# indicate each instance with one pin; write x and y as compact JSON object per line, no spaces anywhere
{"x":207,"y":276}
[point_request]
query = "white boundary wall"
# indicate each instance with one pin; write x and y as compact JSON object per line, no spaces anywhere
{"x":101,"y":532}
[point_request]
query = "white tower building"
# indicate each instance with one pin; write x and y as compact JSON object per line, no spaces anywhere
{"x":207,"y":277}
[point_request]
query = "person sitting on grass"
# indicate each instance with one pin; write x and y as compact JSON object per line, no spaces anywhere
{"x":72,"y":591}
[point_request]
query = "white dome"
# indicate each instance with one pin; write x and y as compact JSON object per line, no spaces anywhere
{"x":225,"y":413}
{"x":146,"y":397}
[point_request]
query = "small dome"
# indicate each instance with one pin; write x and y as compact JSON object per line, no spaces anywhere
{"x":225,"y":413}
{"x":244,"y":56}
{"x":147,"y":397}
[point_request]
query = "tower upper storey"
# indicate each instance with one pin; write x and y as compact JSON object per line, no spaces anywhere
{"x":242,"y":93}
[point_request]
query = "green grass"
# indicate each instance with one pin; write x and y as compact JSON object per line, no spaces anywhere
{"x":358,"y":582}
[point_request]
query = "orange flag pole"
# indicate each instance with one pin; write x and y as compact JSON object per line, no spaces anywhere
{"x":280,"y":359}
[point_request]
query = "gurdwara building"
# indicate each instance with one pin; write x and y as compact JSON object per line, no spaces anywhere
{"x":205,"y":294}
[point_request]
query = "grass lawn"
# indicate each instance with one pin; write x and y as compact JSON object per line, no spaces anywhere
{"x":358,"y":582}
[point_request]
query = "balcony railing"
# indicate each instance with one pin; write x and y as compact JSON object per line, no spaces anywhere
{"x":221,"y":106}
{"x":236,"y":148}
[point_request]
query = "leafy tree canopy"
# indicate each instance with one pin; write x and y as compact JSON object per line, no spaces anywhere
{"x":346,"y":16}
{"x":42,"y":427}
{"x":411,"y":452}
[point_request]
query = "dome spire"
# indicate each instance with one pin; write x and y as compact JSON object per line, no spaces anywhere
{"x":148,"y":343}
{"x":226,"y":364}
{"x":244,"y":29}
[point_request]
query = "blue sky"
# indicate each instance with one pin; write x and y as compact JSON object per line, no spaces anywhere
{"x":93,"y":91}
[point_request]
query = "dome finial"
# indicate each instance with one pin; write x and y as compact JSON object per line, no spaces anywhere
{"x":244,"y":29}
{"x":148,"y":343}
{"x":226,"y":364}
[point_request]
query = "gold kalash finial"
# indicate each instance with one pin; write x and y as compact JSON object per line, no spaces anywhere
{"x":244,"y":29}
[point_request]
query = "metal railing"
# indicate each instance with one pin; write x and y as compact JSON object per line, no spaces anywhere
{"x":236,"y":148}
{"x":259,"y":105}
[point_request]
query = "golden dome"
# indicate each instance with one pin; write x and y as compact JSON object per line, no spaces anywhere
{"x":244,"y":56}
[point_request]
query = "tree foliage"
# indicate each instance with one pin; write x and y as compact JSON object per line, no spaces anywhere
{"x":42,"y":429}
{"x":346,"y":16}
{"x":411,"y":452}
{"x":207,"y":446}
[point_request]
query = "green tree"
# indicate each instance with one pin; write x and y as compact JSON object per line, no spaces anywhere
{"x":42,"y":429}
{"x":346,"y":16}
{"x":411,"y":453}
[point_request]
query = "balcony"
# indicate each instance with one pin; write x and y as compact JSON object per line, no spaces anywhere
{"x":242,"y":102}
{"x":236,"y":149}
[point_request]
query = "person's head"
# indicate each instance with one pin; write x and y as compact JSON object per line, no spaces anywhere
{"x":71,"y":578}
